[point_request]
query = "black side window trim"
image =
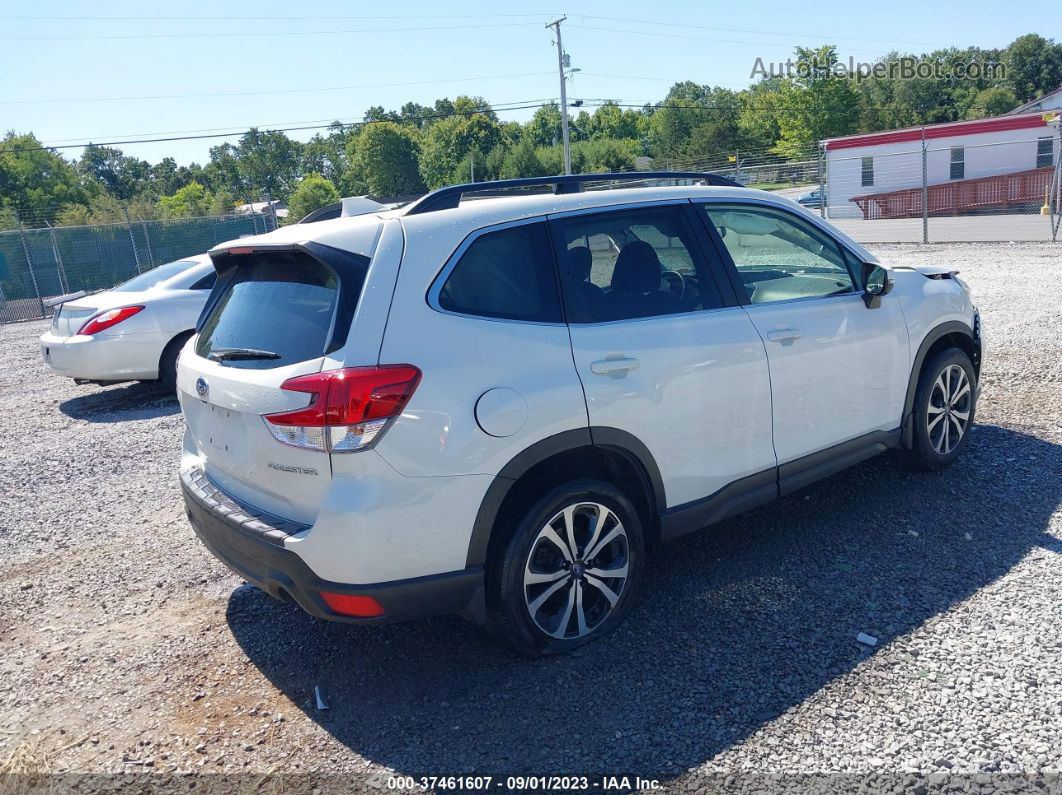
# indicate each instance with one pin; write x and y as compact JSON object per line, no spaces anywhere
{"x":850,"y":259}
{"x":435,"y":289}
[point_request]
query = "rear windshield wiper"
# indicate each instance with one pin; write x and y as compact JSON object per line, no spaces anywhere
{"x":240,"y":354}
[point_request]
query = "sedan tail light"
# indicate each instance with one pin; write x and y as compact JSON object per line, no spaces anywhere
{"x":349,"y":409}
{"x":112,"y":317}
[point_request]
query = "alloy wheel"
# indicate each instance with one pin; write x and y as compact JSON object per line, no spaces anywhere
{"x":576,"y":570}
{"x":948,"y":414}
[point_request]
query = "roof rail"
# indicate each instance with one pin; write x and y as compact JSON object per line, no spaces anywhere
{"x":448,"y":197}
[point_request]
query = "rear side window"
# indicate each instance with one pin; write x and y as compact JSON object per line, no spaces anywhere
{"x":507,"y":273}
{"x":206,"y":283}
{"x":275,"y":308}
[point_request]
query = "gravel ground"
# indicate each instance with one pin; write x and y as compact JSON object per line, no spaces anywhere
{"x":128,"y":649}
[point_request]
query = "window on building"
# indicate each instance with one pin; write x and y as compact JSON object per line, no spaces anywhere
{"x":868,"y":171}
{"x":1043,"y":153}
{"x":958,"y":162}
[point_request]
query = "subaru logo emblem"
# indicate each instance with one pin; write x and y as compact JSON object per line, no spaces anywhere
{"x":201,"y":387}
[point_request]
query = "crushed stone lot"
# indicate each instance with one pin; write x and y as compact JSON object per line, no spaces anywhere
{"x":128,"y":649}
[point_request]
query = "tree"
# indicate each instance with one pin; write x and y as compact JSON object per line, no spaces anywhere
{"x":384,"y":160}
{"x":686,"y":106}
{"x":815,"y":104}
{"x":611,"y":121}
{"x":36,"y":182}
{"x":544,"y":128}
{"x":992,"y":102}
{"x":267,"y":162}
{"x":522,"y":161}
{"x":1034,"y":66}
{"x":191,"y":201}
{"x":448,"y":142}
{"x":312,"y":193}
{"x":122,"y":176}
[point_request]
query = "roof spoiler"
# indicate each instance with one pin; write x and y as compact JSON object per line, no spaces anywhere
{"x":450,"y":196}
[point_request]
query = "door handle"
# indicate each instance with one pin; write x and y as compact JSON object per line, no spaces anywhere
{"x":616,"y":366}
{"x":785,"y":336}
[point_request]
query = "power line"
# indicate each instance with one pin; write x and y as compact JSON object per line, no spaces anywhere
{"x":239,"y":129}
{"x":422,"y":117}
{"x":749,"y":30}
{"x":258,"y":34}
{"x":301,"y":90}
{"x":258,"y":17}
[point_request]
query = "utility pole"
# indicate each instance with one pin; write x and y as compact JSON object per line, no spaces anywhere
{"x":562,"y":62}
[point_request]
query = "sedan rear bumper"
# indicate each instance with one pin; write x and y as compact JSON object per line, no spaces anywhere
{"x":126,"y":358}
{"x":252,"y":545}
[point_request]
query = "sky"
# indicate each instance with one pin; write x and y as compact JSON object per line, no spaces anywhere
{"x":112,"y":70}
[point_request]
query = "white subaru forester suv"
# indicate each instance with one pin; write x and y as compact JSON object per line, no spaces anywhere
{"x":496,"y":406}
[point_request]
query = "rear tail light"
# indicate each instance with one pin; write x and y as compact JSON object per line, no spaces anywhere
{"x":349,"y":409}
{"x":112,"y":317}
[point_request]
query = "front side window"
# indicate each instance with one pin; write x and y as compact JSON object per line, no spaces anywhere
{"x":779,"y":257}
{"x":958,"y":162}
{"x":630,"y":264}
{"x":1043,"y":153}
{"x":507,"y":273}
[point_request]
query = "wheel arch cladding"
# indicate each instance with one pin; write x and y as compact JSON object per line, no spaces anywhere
{"x":605,"y":453}
{"x":953,"y":334}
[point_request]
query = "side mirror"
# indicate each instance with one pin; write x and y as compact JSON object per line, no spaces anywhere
{"x":876,"y":283}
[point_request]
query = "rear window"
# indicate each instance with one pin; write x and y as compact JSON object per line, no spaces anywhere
{"x":276,"y":308}
{"x":507,"y":273}
{"x":147,"y":280}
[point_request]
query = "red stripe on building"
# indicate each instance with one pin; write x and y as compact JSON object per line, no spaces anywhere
{"x":1000,"y":124}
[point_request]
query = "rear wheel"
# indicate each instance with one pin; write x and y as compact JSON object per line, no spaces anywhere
{"x":168,"y":361}
{"x":943,"y":409}
{"x":570,"y":569}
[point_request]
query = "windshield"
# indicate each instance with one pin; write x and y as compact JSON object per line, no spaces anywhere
{"x":153,"y":277}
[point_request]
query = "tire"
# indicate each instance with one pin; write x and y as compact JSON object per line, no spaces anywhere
{"x":168,"y":361}
{"x":944,"y":406}
{"x":571,"y":603}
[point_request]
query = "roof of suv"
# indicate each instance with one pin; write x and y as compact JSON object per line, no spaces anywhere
{"x":475,"y":213}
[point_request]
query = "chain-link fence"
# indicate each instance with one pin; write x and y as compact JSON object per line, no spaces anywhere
{"x":41,"y":264}
{"x":959,"y":189}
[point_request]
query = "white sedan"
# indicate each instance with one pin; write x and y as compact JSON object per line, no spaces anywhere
{"x":133,"y":332}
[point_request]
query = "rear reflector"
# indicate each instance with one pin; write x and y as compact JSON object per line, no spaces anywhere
{"x":351,"y":605}
{"x":349,"y":409}
{"x":112,"y":317}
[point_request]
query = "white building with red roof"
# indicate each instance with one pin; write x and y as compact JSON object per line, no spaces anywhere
{"x":995,"y":165}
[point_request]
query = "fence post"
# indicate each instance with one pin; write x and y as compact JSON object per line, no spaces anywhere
{"x":29,"y":266}
{"x":1057,"y":208}
{"x":132,"y":239}
{"x":64,"y":284}
{"x":822,"y":186}
{"x":925,"y":191}
{"x":147,"y":240}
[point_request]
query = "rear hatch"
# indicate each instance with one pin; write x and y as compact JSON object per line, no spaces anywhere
{"x":277,"y":313}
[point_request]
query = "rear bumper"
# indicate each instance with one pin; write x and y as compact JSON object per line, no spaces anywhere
{"x":99,"y":358}
{"x":252,"y":545}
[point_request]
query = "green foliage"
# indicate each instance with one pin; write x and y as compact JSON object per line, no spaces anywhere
{"x":1034,"y":66}
{"x":312,"y":193}
{"x":815,"y":106}
{"x":383,"y":160}
{"x":191,"y":201}
{"x":36,"y":182}
{"x":522,"y":161}
{"x":993,"y":101}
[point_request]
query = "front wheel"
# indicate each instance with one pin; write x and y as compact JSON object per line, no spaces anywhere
{"x":570,"y":569}
{"x":943,"y":409}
